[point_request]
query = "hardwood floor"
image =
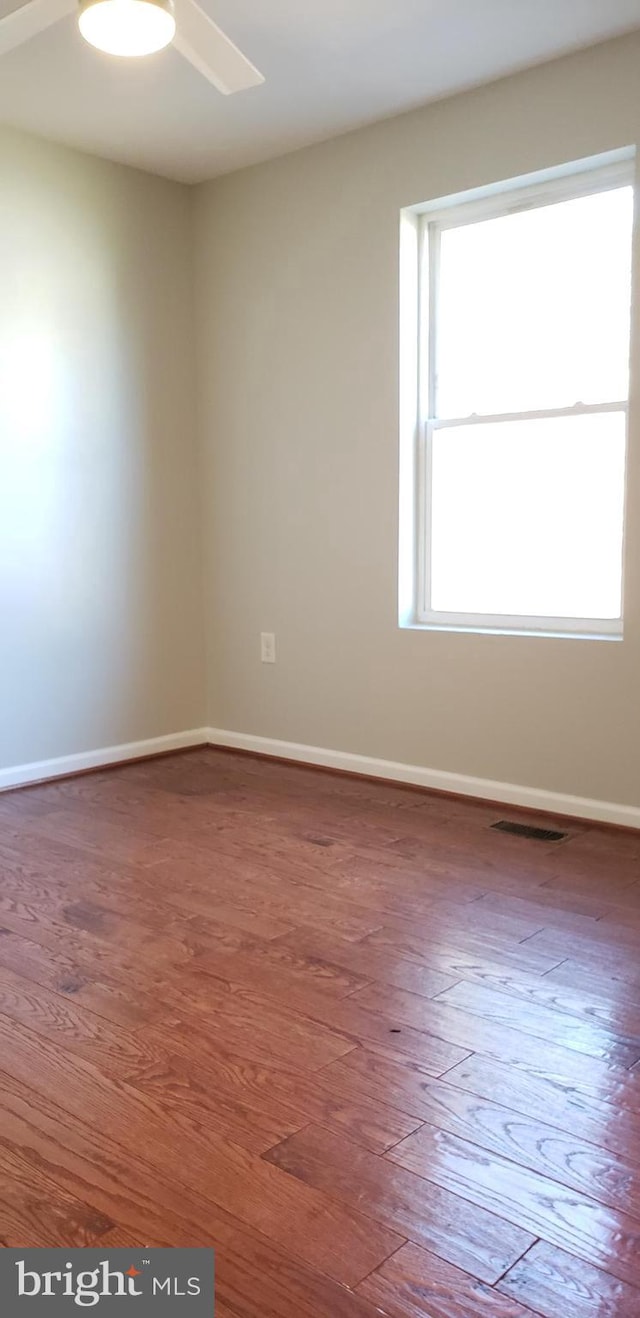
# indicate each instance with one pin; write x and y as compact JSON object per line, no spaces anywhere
{"x":385,"y":1059}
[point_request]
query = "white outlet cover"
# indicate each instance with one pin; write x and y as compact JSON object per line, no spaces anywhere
{"x":268,"y":647}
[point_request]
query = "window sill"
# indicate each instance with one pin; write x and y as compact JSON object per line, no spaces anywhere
{"x":470,"y":629}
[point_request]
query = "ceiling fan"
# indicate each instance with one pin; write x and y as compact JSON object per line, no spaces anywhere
{"x":140,"y":27}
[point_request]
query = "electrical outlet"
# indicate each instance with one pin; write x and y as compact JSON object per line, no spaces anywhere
{"x":267,"y":647}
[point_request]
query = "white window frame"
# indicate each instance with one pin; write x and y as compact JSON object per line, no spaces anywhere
{"x":430,"y":222}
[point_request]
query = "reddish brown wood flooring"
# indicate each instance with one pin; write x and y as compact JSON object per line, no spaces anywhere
{"x":384,"y":1059}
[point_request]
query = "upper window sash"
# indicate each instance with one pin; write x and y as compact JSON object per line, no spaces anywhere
{"x":507,"y":201}
{"x":545,"y":394}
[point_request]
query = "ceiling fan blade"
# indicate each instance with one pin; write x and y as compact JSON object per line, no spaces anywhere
{"x":30,"y":19}
{"x":205,"y":45}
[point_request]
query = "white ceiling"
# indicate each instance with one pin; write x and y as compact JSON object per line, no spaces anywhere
{"x":330,"y":65}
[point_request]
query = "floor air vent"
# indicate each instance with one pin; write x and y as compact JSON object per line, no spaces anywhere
{"x":527,"y":830}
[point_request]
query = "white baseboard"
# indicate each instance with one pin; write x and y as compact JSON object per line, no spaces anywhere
{"x":39,"y":770}
{"x":531,"y":798}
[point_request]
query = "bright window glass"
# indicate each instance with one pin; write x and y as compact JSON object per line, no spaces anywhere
{"x":524,"y":331}
{"x":526,"y":517}
{"x":533,"y":308}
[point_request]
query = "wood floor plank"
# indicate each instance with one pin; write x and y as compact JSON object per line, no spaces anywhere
{"x":440,"y":948}
{"x":32,"y":1207}
{"x":503,"y":1042}
{"x":359,"y":1025}
{"x":466,"y":928}
{"x":268,"y":1097}
{"x":541,"y":908}
{"x":449,"y":1226}
{"x":214,"y":1014}
{"x":100,"y":935}
{"x":386,"y":967}
{"x":538,"y":1204}
{"x":307,"y":1019}
{"x":259,"y":893}
{"x":567,"y":989}
{"x":93,"y":835}
{"x":251,"y":1272}
{"x":423,"y":895}
{"x":320,"y":1231}
{"x":612,"y":1122}
{"x":54,"y":1016}
{"x":370,"y":963}
{"x":280,"y":968}
{"x":113,"y":1179}
{"x":69,"y":977}
{"x":553,"y":1282}
{"x":530,"y":1141}
{"x":119,"y":904}
{"x":191,"y":1091}
{"x":590,"y":876}
{"x":254,"y":1278}
{"x":416,"y":1284}
{"x":551,"y":1026}
{"x":615,"y":955}
{"x":329,"y":1026}
{"x":619,"y":995}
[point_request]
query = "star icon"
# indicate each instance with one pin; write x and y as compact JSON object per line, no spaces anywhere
{"x":132,"y":1272}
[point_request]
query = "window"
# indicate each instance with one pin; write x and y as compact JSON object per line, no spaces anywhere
{"x":518,"y":487}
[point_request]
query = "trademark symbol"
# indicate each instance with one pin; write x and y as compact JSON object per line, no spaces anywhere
{"x":145,"y":1263}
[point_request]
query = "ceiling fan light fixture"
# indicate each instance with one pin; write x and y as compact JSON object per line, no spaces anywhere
{"x":127,"y":27}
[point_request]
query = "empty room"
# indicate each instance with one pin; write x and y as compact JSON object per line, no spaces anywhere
{"x":319,"y":659}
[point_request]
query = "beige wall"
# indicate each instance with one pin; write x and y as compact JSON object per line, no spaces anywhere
{"x":297,"y":278}
{"x":101,"y":636}
{"x":100,"y":590}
